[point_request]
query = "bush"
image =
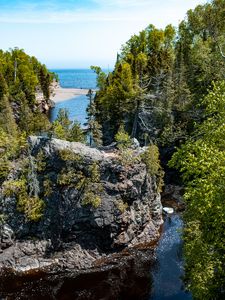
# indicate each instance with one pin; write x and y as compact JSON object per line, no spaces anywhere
{"x":127,"y":157}
{"x":90,"y":198}
{"x":47,"y":185}
{"x":122,"y":206}
{"x":32,"y":207}
{"x":123,"y":139}
{"x":151,"y":159}
{"x":68,"y":155}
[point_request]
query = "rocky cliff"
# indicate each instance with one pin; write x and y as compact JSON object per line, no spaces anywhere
{"x":92,"y":206}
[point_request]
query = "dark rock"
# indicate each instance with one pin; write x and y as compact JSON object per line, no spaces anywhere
{"x":71,"y":235}
{"x":172,"y":196}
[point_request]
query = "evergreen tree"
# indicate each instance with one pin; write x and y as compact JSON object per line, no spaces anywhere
{"x":94,"y":129}
{"x":65,"y":129}
{"x":7,"y":121}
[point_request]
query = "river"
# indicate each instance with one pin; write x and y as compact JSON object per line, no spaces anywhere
{"x":168,"y":272}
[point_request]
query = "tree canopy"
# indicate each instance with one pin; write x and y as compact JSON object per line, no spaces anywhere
{"x":202,"y":163}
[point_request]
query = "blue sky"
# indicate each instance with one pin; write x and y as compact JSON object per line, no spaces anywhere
{"x":80,"y":33}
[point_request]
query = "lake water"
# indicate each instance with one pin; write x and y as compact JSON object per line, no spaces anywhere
{"x":74,"y":78}
{"x":76,"y":108}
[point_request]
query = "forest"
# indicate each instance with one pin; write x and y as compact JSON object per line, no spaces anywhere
{"x":167,"y":90}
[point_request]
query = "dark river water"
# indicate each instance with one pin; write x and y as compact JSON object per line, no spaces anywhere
{"x":167,"y":275}
{"x":131,"y":275}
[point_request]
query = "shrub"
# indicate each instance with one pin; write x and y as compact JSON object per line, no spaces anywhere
{"x":41,"y":161}
{"x":122,"y":206}
{"x":32,"y":207}
{"x":123,"y":139}
{"x":127,"y":157}
{"x":47,"y":185}
{"x":68,"y":155}
{"x":71,"y":178}
{"x":151,"y":159}
{"x":90,"y":198}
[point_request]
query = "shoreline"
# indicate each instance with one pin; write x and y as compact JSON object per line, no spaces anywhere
{"x":62,"y":94}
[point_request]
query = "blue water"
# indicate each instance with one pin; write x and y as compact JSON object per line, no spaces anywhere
{"x":74,"y":78}
{"x":76,"y":108}
{"x":167,"y":278}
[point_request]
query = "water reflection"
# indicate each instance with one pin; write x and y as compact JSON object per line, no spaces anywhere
{"x":125,"y":277}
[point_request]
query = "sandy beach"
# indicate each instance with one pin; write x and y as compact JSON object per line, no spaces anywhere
{"x":62,"y":94}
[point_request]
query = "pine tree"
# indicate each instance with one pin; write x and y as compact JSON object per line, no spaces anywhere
{"x":94,"y":128}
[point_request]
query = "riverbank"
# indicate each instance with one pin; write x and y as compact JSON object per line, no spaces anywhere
{"x":61,"y":94}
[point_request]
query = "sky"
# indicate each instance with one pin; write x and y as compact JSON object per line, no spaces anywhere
{"x":80,"y":33}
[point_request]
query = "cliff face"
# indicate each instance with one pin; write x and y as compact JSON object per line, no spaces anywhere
{"x":93,"y":206}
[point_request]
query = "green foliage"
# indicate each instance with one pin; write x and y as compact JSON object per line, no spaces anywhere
{"x":93,"y":187}
{"x":121,"y":205}
{"x":152,"y":161}
{"x":101,"y":76}
{"x":7,"y":121}
{"x":96,"y":132}
{"x":47,"y":185}
{"x":114,"y":100}
{"x":71,"y":178}
{"x":68,"y":155}
{"x":3,"y":218}
{"x":151,"y":158}
{"x":123,"y":139}
{"x":27,"y":201}
{"x":162,"y":74}
{"x":70,"y":175}
{"x":32,"y":207}
{"x":202,"y":163}
{"x":40,"y":161}
{"x":21,"y":77}
{"x":62,"y":124}
{"x":10,"y":148}
{"x":94,"y":128}
{"x":127,"y":157}
{"x":87,"y":182}
{"x":65,"y":129}
{"x":58,"y":130}
{"x":94,"y":172}
{"x":90,"y":198}
{"x":76,"y":134}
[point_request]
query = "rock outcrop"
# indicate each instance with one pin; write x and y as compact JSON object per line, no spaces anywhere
{"x":75,"y":233}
